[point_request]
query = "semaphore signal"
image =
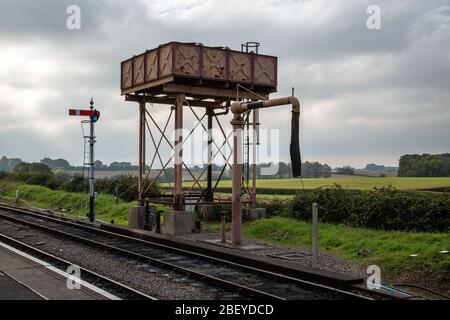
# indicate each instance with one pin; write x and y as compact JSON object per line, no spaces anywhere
{"x":93,"y":115}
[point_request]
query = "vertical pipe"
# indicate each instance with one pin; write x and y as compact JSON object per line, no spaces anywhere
{"x":144,"y":142}
{"x":247,"y":150}
{"x":91,"y":172}
{"x":178,"y":169}
{"x":141,"y":152}
{"x":315,"y":223}
{"x":236,"y":216}
{"x":209,"y":172}
{"x":254,"y":144}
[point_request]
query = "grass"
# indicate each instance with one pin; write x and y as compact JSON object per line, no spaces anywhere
{"x":71,"y":203}
{"x":349,"y":182}
{"x":390,"y":250}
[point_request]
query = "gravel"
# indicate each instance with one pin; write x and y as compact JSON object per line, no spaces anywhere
{"x":301,"y":257}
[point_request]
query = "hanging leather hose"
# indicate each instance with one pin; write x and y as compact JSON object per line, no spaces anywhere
{"x":240,"y":107}
{"x":294,"y":148}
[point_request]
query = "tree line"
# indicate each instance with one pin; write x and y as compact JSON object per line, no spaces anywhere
{"x":425,"y":165}
{"x":8,"y":164}
{"x":282,"y":169}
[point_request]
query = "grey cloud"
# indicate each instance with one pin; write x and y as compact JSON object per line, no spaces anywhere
{"x":376,"y":92}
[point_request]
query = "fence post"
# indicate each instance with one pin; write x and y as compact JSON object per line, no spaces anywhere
{"x":17,"y":197}
{"x":315,"y":227}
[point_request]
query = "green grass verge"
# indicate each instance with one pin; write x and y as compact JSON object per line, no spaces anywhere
{"x":356,"y":182}
{"x":390,"y":250}
{"x":71,"y":203}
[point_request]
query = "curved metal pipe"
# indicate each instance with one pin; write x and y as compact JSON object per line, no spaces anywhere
{"x":239,"y":107}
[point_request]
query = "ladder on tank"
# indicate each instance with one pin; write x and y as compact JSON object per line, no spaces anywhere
{"x":248,"y":144}
{"x":246,"y":136}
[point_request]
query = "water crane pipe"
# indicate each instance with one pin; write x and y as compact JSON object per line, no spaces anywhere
{"x":238,"y":108}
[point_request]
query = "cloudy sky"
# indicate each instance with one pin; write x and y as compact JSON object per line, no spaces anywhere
{"x":367,"y":95}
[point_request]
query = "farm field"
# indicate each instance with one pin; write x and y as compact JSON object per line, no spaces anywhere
{"x":348,"y":182}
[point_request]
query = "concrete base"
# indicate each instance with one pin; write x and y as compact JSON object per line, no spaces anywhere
{"x":179,"y":222}
{"x":256,"y":213}
{"x":137,"y":217}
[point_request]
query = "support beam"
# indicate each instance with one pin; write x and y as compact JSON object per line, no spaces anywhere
{"x":210,"y":195}
{"x":212,"y":92}
{"x":171,"y":100}
{"x":178,"y":167}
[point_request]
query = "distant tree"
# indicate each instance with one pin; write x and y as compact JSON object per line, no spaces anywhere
{"x":326,"y":171}
{"x":347,"y":170}
{"x":8,"y":165}
{"x":425,"y":165}
{"x":32,"y":168}
{"x":99,"y":165}
{"x":284,"y":170}
{"x":372,"y":167}
{"x":121,"y":166}
{"x":57,"y":163}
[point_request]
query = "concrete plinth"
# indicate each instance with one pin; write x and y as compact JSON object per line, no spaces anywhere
{"x":179,"y":222}
{"x":256,"y":213}
{"x":137,"y":217}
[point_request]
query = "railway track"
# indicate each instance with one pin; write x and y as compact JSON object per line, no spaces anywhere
{"x":115,"y":288}
{"x":245,"y":281}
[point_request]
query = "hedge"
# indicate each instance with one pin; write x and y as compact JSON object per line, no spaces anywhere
{"x":379,"y":208}
{"x":124,"y":185}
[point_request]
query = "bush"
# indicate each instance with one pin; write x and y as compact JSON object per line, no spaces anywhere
{"x":385,"y":208}
{"x":3,"y":174}
{"x":76,"y":183}
{"x":277,"y":207}
{"x":125,"y":186}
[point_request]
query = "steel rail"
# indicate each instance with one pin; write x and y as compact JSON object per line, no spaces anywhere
{"x":111,"y":286}
{"x":211,"y":279}
{"x":200,"y":276}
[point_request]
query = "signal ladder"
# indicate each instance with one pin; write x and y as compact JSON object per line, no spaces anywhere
{"x":86,"y":160}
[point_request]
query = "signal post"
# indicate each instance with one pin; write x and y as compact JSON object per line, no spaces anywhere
{"x":93,"y":115}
